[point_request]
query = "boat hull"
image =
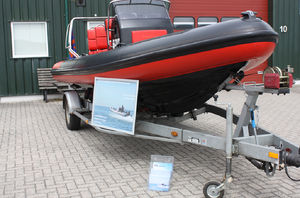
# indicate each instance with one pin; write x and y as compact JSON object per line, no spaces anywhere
{"x":183,"y":93}
{"x":180,"y":71}
{"x":254,"y":53}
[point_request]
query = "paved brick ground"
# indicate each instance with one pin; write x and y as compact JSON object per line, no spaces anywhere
{"x":39,"y":157}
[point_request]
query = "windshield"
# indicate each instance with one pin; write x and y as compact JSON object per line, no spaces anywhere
{"x":143,"y":11}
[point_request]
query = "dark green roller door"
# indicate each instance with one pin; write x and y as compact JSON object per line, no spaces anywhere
{"x":286,"y":21}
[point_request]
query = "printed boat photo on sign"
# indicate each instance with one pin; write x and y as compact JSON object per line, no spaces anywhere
{"x":115,"y":103}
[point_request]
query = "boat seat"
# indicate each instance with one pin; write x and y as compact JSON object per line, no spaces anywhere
{"x":97,"y":40}
{"x":141,"y":35}
{"x":97,"y":51}
{"x":101,"y":37}
{"x":91,"y":34}
{"x":110,"y":22}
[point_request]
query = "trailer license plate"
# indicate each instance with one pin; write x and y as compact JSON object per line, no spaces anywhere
{"x":202,"y":141}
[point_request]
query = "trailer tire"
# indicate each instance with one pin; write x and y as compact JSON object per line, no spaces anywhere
{"x":209,"y":190}
{"x":64,"y":102}
{"x":72,"y":121}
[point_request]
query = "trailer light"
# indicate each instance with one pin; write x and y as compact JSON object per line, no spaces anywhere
{"x":174,"y":133}
{"x":288,"y":150}
{"x":273,"y":155}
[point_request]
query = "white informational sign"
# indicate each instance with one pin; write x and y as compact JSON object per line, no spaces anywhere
{"x":161,"y":169}
{"x":115,"y":104}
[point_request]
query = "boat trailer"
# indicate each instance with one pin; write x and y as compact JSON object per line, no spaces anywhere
{"x":263,"y":149}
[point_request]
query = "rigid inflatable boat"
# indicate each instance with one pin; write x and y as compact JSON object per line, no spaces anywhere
{"x":178,"y":71}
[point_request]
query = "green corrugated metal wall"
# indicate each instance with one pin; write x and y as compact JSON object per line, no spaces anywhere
{"x":286,"y":21}
{"x":18,"y":75}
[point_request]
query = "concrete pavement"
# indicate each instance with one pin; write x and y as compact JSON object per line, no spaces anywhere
{"x":39,"y":157}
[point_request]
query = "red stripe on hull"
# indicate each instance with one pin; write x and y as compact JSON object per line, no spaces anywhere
{"x":255,"y":53}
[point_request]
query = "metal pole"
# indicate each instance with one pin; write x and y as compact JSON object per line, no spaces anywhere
{"x":244,"y":117}
{"x":107,"y":28}
{"x":253,"y":124}
{"x":228,"y":150}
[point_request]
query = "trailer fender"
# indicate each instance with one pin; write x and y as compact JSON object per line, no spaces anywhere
{"x":72,"y":99}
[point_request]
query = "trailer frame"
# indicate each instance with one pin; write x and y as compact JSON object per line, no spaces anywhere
{"x":262,"y":148}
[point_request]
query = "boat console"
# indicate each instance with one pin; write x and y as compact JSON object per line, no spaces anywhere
{"x":140,"y":16}
{"x":133,"y":21}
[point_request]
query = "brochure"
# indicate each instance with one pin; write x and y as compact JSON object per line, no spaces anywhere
{"x":161,"y":169}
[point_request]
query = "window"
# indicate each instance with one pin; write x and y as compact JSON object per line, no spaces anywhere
{"x":142,"y":11}
{"x":228,"y":18}
{"x":203,"y":21}
{"x":92,"y":24}
{"x":183,"y":23}
{"x":29,"y":39}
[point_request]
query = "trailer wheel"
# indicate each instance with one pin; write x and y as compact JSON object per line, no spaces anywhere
{"x":64,"y":102}
{"x":209,"y":190}
{"x":72,"y":121}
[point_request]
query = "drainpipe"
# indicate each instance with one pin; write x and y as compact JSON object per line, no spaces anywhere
{"x":67,"y":22}
{"x":66,"y":13}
